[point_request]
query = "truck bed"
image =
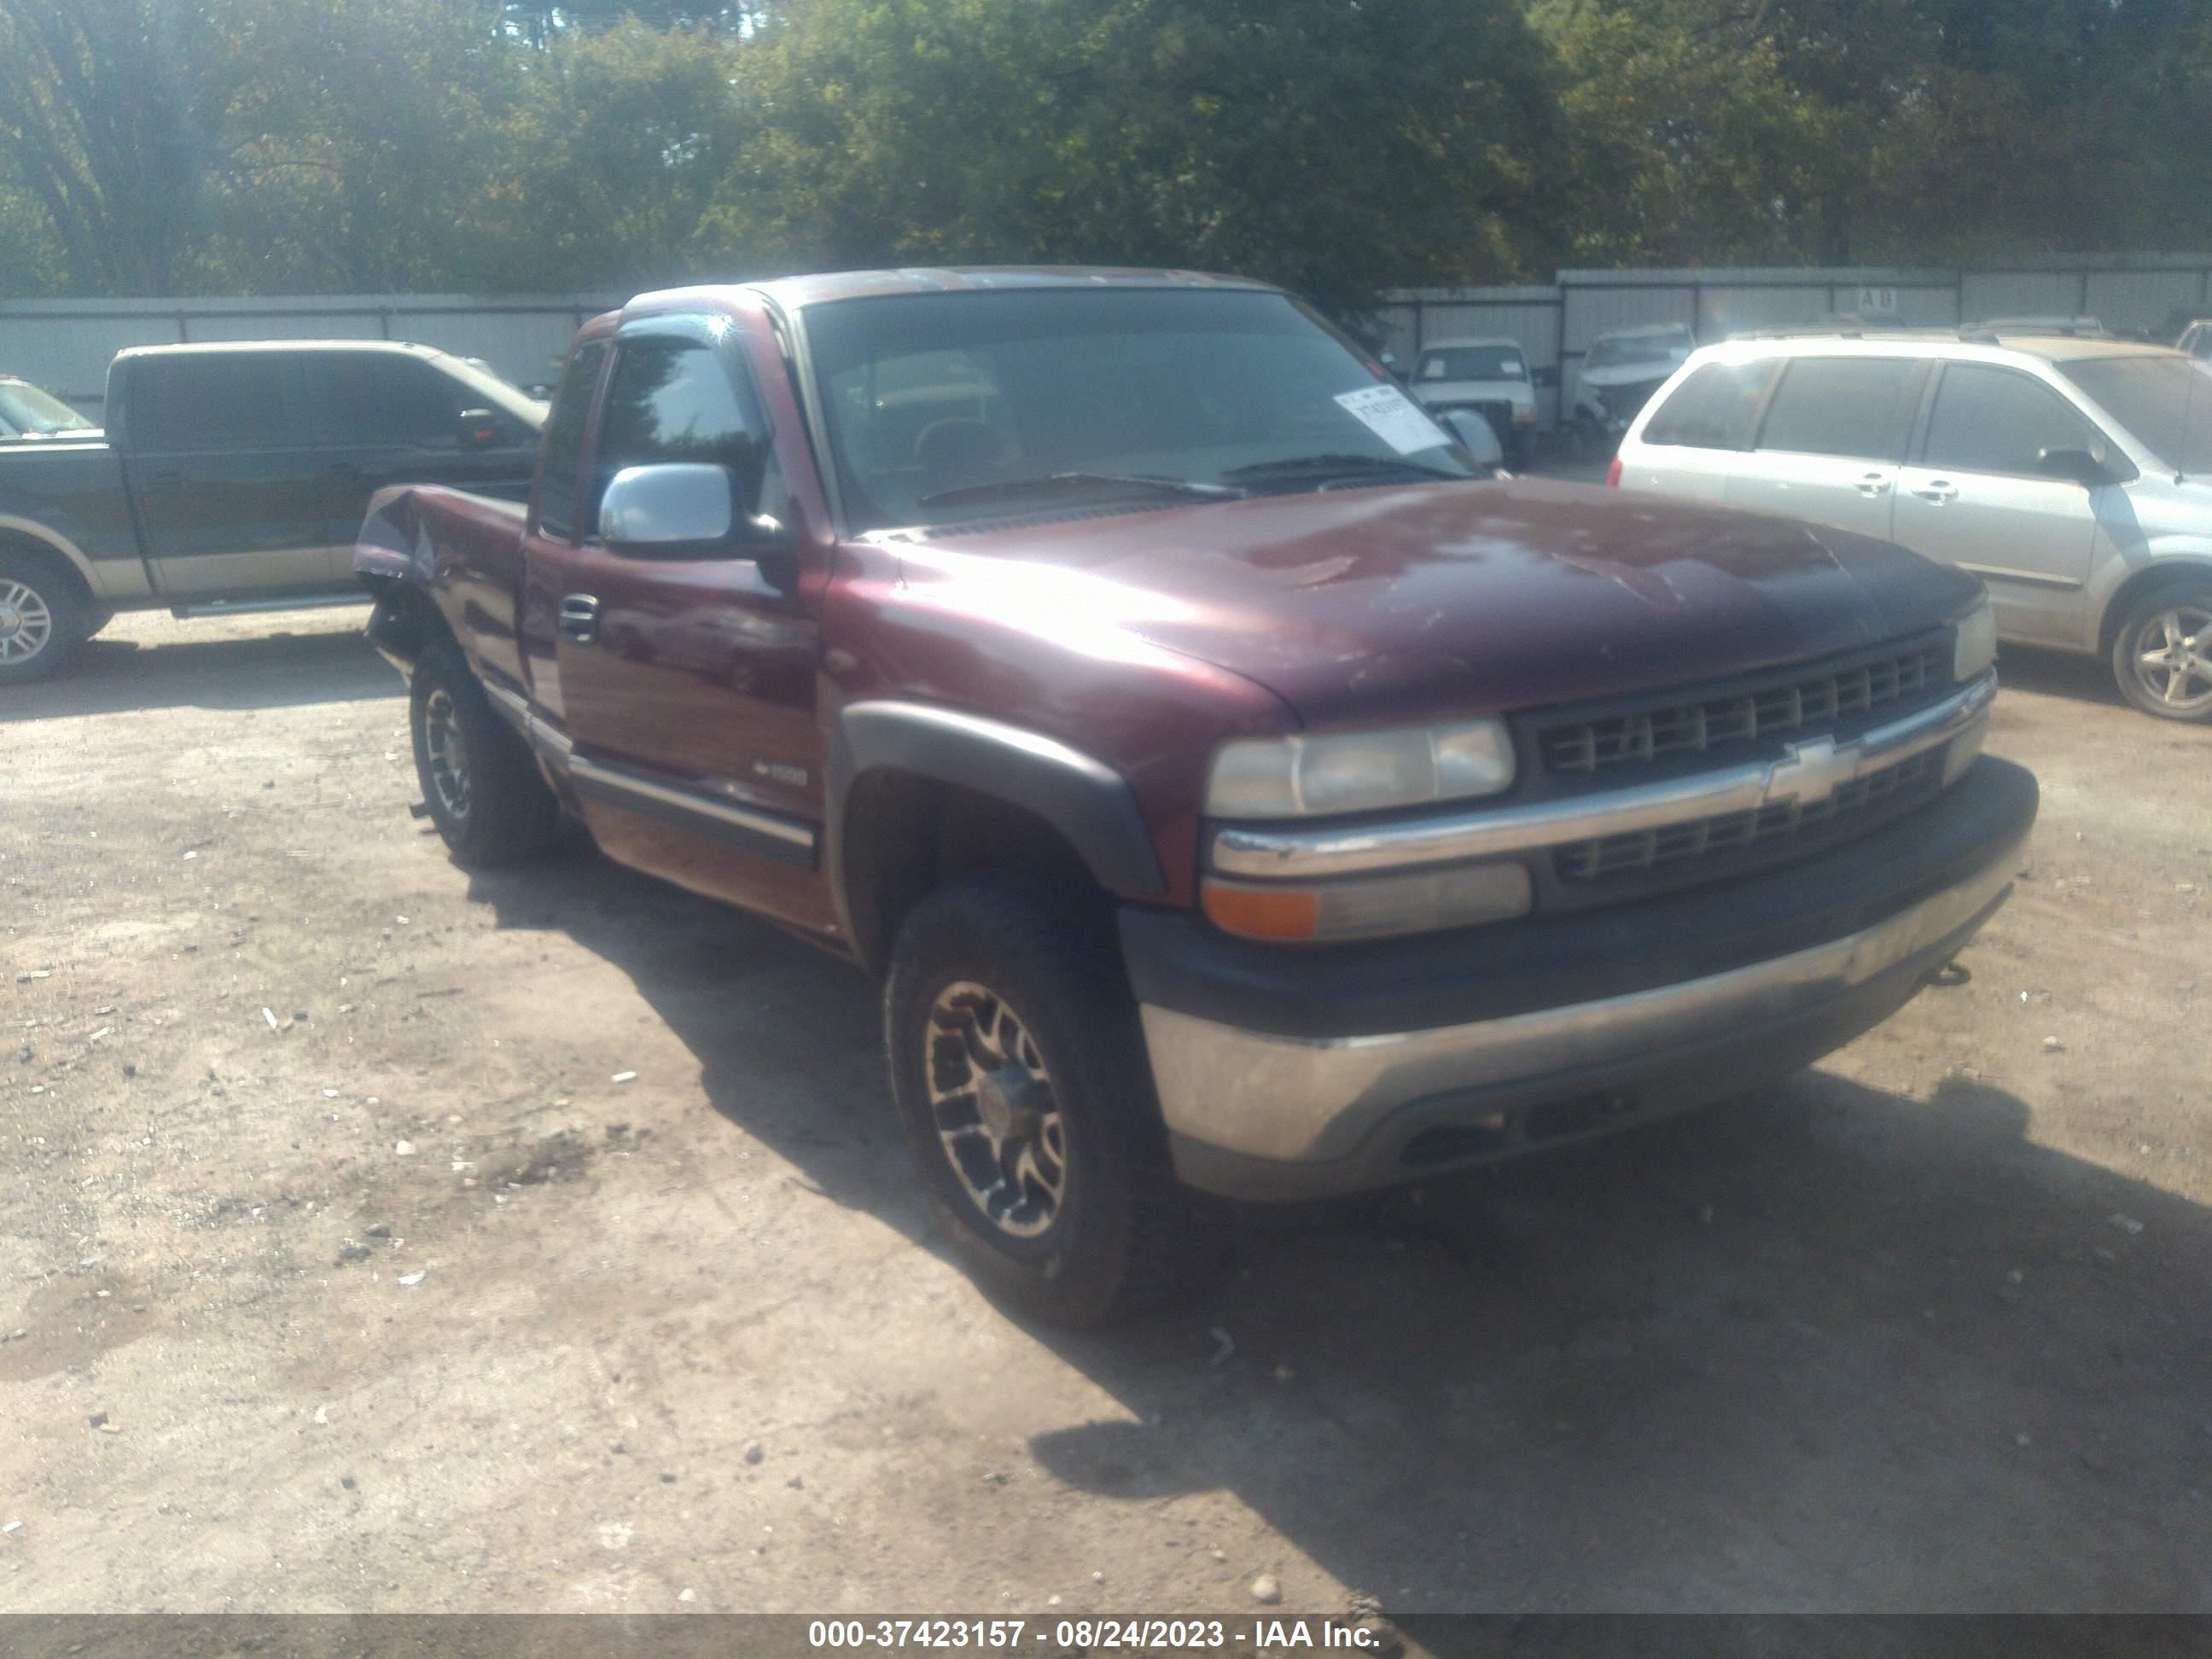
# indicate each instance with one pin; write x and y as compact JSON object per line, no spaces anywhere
{"x":74,"y":488}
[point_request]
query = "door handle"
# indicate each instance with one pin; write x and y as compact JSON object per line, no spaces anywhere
{"x":1938,"y":490}
{"x":580,"y":618}
{"x":1874,"y":483}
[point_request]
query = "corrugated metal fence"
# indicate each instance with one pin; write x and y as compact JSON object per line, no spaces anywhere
{"x":64,"y":345}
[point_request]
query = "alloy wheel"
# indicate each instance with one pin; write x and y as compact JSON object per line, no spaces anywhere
{"x":2173,"y":658}
{"x":26,"y":624}
{"x":447,"y":748}
{"x":996,"y":1116}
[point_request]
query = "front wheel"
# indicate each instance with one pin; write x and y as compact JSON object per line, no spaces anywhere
{"x":483,"y":788}
{"x":1020,"y":1076}
{"x":2162,"y":652}
{"x":1588,"y":440}
{"x":43,"y":621}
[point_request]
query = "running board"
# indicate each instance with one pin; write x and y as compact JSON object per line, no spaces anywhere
{"x":252,"y":607}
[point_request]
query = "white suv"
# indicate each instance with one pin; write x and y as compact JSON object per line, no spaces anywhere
{"x":2073,"y":476}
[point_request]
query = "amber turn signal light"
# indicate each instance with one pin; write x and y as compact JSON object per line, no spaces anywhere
{"x":1285,"y":913}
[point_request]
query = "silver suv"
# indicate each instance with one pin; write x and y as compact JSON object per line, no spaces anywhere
{"x":2073,"y":476}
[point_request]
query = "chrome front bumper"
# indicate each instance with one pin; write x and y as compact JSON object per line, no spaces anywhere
{"x":1257,"y":1115}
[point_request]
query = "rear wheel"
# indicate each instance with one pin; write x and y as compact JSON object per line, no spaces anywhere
{"x":482,"y":788}
{"x":2162,"y":652}
{"x":43,"y":620}
{"x":1020,"y":1075}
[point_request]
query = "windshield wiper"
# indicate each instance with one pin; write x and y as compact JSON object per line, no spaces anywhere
{"x":1050,"y":483}
{"x":1301,"y":466}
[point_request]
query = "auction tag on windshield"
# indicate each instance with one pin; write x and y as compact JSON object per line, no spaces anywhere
{"x":1393,"y":417}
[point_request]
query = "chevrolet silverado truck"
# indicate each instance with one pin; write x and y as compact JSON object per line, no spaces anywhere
{"x":231,"y":477}
{"x":1237,"y":792}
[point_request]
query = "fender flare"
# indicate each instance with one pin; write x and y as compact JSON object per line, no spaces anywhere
{"x":53,"y":541}
{"x":1087,"y":801}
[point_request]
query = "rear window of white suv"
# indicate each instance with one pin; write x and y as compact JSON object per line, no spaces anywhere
{"x":1714,"y":407}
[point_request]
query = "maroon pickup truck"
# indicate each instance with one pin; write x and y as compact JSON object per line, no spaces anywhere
{"x":1237,"y":789}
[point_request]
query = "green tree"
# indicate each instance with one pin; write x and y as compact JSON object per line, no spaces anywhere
{"x":1915,"y":132}
{"x":609,"y":155}
{"x":354,"y":144}
{"x":101,"y":110}
{"x":1335,"y":146}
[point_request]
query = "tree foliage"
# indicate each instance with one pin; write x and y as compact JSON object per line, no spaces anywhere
{"x":1922,"y":132}
{"x":150,"y":146}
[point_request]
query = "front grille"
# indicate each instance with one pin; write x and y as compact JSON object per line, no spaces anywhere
{"x":1731,"y":832}
{"x":1623,"y":402}
{"x":1795,"y":705}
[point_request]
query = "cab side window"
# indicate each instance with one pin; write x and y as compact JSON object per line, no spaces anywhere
{"x":559,"y":484}
{"x":676,"y":398}
{"x":1987,"y":419}
{"x":1837,"y":406}
{"x":200,"y":405}
{"x":1714,"y":407}
{"x":383,"y":399}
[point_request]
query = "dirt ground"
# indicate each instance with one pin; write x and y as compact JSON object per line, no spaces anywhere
{"x":341,"y":1268}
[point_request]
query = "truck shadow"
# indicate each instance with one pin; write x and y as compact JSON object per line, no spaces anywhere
{"x":1830,"y":1348}
{"x":271,"y":671}
{"x":2055,"y":673}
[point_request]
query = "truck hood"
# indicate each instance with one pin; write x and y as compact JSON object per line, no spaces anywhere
{"x":1362,"y":606}
{"x":1629,"y":375}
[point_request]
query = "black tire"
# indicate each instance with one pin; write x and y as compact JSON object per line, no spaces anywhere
{"x":1588,"y":440}
{"x":488,"y":801}
{"x":2173,"y":618}
{"x":1121,"y":1235}
{"x":44,"y":619}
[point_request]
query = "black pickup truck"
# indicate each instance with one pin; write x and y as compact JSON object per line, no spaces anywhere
{"x":233,"y":477}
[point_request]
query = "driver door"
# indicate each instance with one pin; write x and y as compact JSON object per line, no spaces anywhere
{"x":687,"y":684}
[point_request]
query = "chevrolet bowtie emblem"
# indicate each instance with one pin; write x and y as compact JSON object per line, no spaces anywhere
{"x":1813,"y":771}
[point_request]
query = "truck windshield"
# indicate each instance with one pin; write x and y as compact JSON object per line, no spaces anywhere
{"x":1482,"y":362}
{"x":2164,"y":402}
{"x":1623,"y":350}
{"x":949,"y":408}
{"x":28,"y":412}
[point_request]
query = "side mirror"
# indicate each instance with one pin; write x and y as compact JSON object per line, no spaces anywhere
{"x":478,"y":428}
{"x":2087,"y":467}
{"x":1474,"y":435}
{"x":684,"y":509}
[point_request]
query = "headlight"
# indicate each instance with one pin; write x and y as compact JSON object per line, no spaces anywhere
{"x":1974,"y":644}
{"x":1358,"y":771}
